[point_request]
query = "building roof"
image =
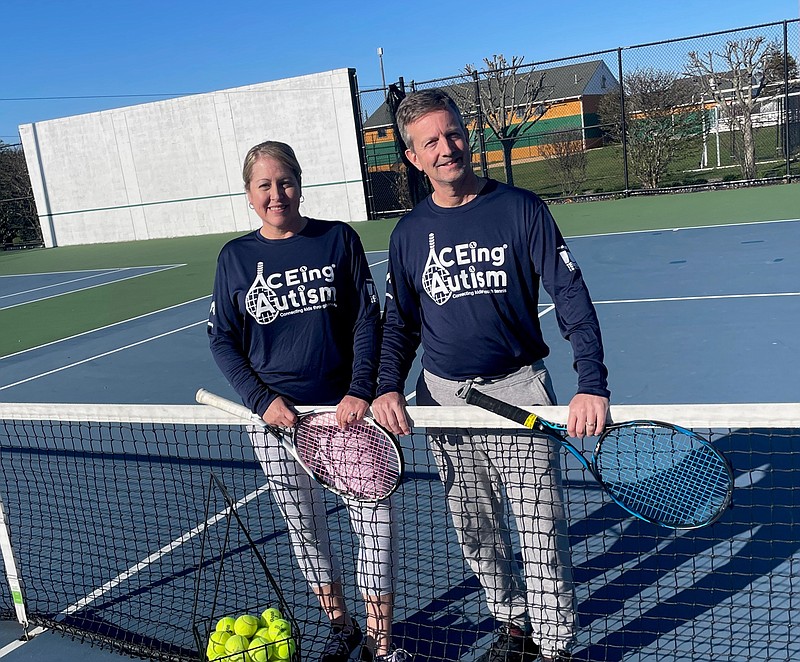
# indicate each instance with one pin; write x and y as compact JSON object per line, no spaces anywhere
{"x":567,"y":81}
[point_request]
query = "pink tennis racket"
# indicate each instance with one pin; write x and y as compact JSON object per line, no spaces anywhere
{"x":363,"y":462}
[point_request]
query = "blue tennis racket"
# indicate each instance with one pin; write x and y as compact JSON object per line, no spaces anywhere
{"x":660,"y":473}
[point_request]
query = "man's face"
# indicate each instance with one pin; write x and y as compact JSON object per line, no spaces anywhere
{"x":439,"y":148}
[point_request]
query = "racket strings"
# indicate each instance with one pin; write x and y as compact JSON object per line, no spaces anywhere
{"x":664,"y":474}
{"x":358,"y":462}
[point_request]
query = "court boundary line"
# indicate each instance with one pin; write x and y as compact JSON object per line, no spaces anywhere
{"x":91,"y":287}
{"x":125,"y":321}
{"x":107,"y":326}
{"x":88,"y":359}
{"x":97,"y":274}
{"x":80,"y":271}
{"x":700,"y":297}
{"x":681,"y":229}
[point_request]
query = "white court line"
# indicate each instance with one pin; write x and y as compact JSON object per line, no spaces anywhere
{"x":100,"y":356}
{"x":81,"y":271}
{"x":166,"y":549}
{"x":14,"y":645}
{"x":375,"y":264}
{"x":103,"y":328}
{"x":60,"y":283}
{"x":683,"y":229}
{"x":703,"y":297}
{"x":91,"y":287}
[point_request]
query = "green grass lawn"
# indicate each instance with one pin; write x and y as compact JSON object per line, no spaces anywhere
{"x":605,"y":170}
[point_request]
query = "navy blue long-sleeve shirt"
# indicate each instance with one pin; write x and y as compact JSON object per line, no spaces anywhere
{"x":464,"y":281}
{"x":296,"y":317}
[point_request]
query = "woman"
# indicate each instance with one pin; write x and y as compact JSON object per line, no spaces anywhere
{"x":294,"y":321}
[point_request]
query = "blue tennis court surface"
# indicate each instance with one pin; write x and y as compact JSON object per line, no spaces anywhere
{"x":703,"y":315}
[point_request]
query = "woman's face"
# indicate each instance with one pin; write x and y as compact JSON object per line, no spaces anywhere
{"x":274,"y":193}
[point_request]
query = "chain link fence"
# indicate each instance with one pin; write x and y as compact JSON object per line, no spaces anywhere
{"x":709,"y":111}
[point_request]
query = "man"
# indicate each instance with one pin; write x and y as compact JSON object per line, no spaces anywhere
{"x":464,"y":273}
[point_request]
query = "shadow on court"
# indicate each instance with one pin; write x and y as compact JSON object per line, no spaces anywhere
{"x":731,"y":580}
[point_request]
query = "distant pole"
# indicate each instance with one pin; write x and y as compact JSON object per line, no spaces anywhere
{"x":383,"y":77}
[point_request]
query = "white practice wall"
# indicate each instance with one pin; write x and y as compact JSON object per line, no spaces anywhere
{"x":173,"y":168}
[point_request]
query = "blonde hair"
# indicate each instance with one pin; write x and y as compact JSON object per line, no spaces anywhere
{"x":273,"y":149}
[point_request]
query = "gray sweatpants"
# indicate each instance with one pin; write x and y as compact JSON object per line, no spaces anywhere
{"x":475,"y":471}
{"x":302,"y":501}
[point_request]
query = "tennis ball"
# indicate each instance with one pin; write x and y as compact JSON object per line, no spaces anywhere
{"x":263,"y":633}
{"x":258,"y":649}
{"x":283,"y":650}
{"x":225,"y":624}
{"x":269,"y":615}
{"x":280,"y":629}
{"x":246,"y":625}
{"x":237,"y":644}
{"x":216,"y":643}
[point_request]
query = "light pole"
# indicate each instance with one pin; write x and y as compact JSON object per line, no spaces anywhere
{"x":383,"y":77}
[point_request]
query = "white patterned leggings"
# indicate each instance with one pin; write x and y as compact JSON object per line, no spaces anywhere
{"x":302,"y":502}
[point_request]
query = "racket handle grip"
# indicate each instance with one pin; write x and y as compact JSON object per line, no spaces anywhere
{"x":503,"y":409}
{"x":204,"y":397}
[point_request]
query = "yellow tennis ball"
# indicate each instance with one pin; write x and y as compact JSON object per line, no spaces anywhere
{"x":246,"y":625}
{"x":263,"y":633}
{"x":236,"y":648}
{"x":269,"y":615}
{"x":258,"y":649}
{"x":282,"y":650}
{"x":216,"y":643}
{"x":280,"y":629}
{"x":225,"y":624}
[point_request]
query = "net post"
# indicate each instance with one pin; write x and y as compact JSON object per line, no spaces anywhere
{"x":12,"y":573}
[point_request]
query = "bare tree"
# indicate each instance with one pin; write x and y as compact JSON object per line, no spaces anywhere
{"x":736,"y":79}
{"x":18,"y":221}
{"x":566,"y":159}
{"x":661,"y":113}
{"x":509,"y":100}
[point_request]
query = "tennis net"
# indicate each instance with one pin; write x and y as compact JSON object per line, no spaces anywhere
{"x":120,"y":536}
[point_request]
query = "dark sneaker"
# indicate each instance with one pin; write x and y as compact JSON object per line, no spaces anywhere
{"x":511,"y":645}
{"x":396,"y":655}
{"x":342,"y":641}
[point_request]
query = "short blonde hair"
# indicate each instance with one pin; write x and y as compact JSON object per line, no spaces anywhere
{"x":273,"y":149}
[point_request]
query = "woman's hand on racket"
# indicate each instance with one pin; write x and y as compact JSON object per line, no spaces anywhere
{"x":280,"y":414}
{"x":587,"y":415}
{"x":389,"y":410}
{"x":350,"y":410}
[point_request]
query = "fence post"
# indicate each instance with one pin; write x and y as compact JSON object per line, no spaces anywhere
{"x":362,"y":146}
{"x":787,"y":146}
{"x":479,"y":126}
{"x":626,"y":186}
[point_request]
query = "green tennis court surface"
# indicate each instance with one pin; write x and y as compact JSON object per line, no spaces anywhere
{"x":30,"y":325}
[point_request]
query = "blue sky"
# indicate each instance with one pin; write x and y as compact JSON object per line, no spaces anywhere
{"x":76,"y":48}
